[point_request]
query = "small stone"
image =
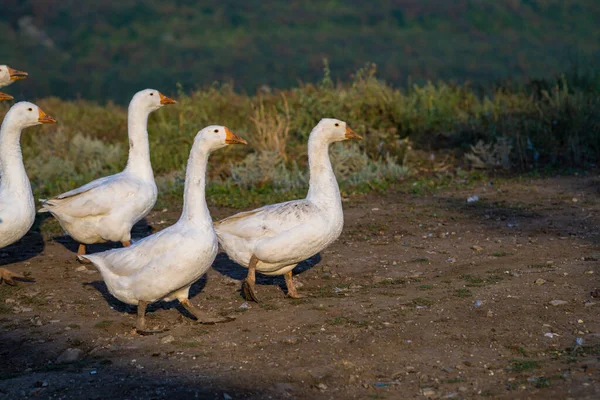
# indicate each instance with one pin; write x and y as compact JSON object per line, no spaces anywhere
{"x":70,"y":355}
{"x":462,"y":389}
{"x":167,"y":339}
{"x":558,"y":302}
{"x":490,"y":314}
{"x":428,"y":392}
{"x":322,"y":386}
{"x":81,"y":268}
{"x":9,"y":301}
{"x":540,"y":281}
{"x":476,"y":248}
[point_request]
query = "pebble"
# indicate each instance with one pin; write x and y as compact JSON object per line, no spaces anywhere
{"x":167,"y":339}
{"x":70,"y":355}
{"x":428,"y":392}
{"x":322,"y":386}
{"x":462,"y":389}
{"x":81,"y":268}
{"x":476,"y":248}
{"x":540,"y":281}
{"x":245,"y":306}
{"x":558,"y":302}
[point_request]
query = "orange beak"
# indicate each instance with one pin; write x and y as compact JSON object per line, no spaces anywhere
{"x":232,"y":138}
{"x":350,"y":134}
{"x":16,"y":75}
{"x":45,"y":118}
{"x":4,"y":96}
{"x":166,"y":100}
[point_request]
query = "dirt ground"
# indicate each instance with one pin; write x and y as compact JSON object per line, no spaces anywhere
{"x":423,"y":296}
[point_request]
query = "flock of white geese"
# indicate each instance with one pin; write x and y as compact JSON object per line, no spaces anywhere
{"x":271,"y":240}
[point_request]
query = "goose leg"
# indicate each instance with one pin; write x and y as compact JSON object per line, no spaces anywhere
{"x":126,"y":244}
{"x":140,"y":325}
{"x":81,"y":252}
{"x":248,"y":285}
{"x":9,"y":277}
{"x":200,"y":316}
{"x":291,"y":288}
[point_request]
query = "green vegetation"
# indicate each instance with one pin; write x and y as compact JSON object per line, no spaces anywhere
{"x":523,"y":365}
{"x":109,"y":49}
{"x":463,"y":293}
{"x":103,"y":324}
{"x":522,"y":129}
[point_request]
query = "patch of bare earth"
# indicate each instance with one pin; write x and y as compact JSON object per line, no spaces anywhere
{"x":421,"y":297}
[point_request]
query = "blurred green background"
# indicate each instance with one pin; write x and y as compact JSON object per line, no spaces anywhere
{"x":108,"y":49}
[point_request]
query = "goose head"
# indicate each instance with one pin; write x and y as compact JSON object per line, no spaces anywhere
{"x":9,"y":75}
{"x":150,"y":100}
{"x":28,"y":114}
{"x":334,"y":130}
{"x":214,"y":137}
{"x":4,"y":96}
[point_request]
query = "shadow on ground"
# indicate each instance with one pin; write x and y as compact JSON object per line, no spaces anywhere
{"x":96,"y":377}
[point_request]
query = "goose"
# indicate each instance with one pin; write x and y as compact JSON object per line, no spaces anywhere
{"x":4,"y":97}
{"x":106,"y":209}
{"x":275,"y":238}
{"x":17,"y":207}
{"x":9,"y":75}
{"x":164,"y":265}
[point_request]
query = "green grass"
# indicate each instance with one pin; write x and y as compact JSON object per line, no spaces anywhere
{"x":425,"y":287}
{"x":463,"y":293}
{"x":421,"y":301}
{"x":103,"y":324}
{"x":523,"y":365}
{"x":501,"y":254}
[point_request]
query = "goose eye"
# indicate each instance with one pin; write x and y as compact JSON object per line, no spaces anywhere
{"x":151,"y":94}
{"x":30,"y":109}
{"x":216,"y":131}
{"x":336,"y":124}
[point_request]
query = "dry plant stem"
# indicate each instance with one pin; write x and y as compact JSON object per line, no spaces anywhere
{"x":272,"y":128}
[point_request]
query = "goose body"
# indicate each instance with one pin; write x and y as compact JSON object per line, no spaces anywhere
{"x":106,"y":209}
{"x":274,"y":238}
{"x":17,"y":208}
{"x":163,"y":266}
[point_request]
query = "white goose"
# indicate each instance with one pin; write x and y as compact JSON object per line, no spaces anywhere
{"x":106,"y":209}
{"x":9,"y":75}
{"x":164,"y":266}
{"x":275,"y":238}
{"x":17,"y":207}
